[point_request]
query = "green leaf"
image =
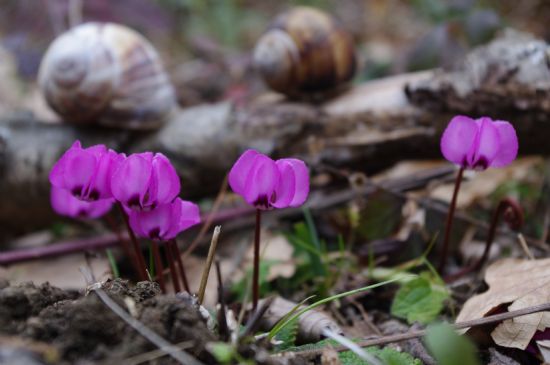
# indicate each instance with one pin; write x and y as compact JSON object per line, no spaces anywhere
{"x":419,"y":300}
{"x":287,"y":335}
{"x":223,"y":352}
{"x":449,"y":348}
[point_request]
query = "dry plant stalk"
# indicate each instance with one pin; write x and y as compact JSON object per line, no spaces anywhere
{"x":209,"y":260}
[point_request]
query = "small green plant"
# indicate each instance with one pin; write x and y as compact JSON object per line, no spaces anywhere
{"x":449,"y":348}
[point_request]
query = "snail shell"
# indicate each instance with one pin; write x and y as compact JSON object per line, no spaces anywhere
{"x":305,"y":51}
{"x":106,"y":73}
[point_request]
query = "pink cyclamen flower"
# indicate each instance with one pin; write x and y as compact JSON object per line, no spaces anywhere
{"x":64,"y":203}
{"x":479,"y":144}
{"x":144,"y":181}
{"x":267,"y":184}
{"x":85,"y":172}
{"x":165,"y":221}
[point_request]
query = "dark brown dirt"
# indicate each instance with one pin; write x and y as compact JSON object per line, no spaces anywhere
{"x":84,"y":330}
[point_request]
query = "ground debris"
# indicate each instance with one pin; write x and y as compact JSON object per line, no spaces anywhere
{"x":82,"y":328}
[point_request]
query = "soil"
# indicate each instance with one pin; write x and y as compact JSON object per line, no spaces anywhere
{"x":47,"y":324}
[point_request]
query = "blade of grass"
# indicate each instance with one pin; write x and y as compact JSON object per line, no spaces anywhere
{"x":112,"y":262}
{"x":272,"y":333}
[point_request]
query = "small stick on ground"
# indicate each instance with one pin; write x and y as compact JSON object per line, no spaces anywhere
{"x":209,"y":259}
{"x":179,"y":355}
{"x":415,"y":334}
{"x":524,"y":246}
{"x":211,"y":216}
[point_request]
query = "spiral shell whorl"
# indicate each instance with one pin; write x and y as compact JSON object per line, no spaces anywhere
{"x":305,"y":51}
{"x":106,"y":73}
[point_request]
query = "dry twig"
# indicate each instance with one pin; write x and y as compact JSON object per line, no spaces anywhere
{"x":415,"y":334}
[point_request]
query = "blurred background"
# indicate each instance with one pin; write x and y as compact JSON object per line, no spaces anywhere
{"x":206,"y":44}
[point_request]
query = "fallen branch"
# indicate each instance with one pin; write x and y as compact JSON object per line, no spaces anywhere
{"x":416,"y":334}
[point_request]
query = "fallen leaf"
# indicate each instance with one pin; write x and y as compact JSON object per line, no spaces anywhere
{"x":523,"y":283}
{"x":479,"y":185}
{"x":62,"y":271}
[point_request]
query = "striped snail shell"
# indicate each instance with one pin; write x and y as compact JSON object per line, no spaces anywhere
{"x":305,"y":52}
{"x":108,"y":74}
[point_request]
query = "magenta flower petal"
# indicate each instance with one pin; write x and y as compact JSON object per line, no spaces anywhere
{"x":152,"y":224}
{"x":240,"y":171}
{"x":486,"y":145}
{"x":166,"y":221}
{"x":169,"y":183}
{"x":189,"y":216}
{"x":261,"y":182}
{"x":63,"y":203}
{"x":57,"y":173}
{"x":286,"y":189}
{"x":79,"y":170}
{"x":130,"y":181}
{"x":104,"y":171}
{"x":509,"y":144}
{"x":266,"y":184}
{"x":458,"y":139}
{"x":301,"y":176}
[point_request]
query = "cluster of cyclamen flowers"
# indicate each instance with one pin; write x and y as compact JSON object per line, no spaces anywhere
{"x":87,"y":181}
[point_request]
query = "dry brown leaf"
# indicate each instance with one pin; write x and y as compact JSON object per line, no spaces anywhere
{"x":523,"y":283}
{"x":62,"y":271}
{"x":480,"y":184}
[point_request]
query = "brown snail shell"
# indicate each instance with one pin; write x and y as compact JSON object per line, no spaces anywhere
{"x":108,"y":74}
{"x":305,"y":52}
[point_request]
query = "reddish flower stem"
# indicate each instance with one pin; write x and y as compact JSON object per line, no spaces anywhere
{"x":137,"y":248}
{"x":170,"y":258}
{"x":513,"y":215}
{"x":173,"y":245}
{"x":158,"y":267}
{"x":449,"y":223}
{"x":256,"y":274}
{"x":123,"y":242}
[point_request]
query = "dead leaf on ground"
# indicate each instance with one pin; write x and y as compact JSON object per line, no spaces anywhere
{"x":478,"y":185}
{"x":62,"y":271}
{"x":523,"y":283}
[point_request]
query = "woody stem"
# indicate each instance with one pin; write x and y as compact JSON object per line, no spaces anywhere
{"x":170,"y":259}
{"x":256,"y":274}
{"x":177,"y":254}
{"x":158,"y":267}
{"x":449,"y":223}
{"x":137,"y":249}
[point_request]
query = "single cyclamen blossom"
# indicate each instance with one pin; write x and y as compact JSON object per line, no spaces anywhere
{"x":64,"y":203}
{"x":85,"y":172}
{"x":267,"y":184}
{"x":166,"y":221}
{"x":479,"y":144}
{"x":144,"y":181}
